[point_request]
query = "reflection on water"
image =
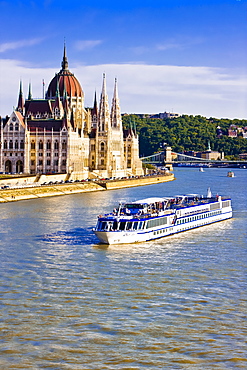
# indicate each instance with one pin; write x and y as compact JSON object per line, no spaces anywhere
{"x":68,"y":302}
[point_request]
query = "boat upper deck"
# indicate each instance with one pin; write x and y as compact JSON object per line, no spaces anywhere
{"x":156,"y":206}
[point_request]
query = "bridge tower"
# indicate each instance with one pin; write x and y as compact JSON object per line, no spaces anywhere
{"x":168,"y":157}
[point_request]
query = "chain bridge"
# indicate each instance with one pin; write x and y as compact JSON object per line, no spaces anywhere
{"x":160,"y":158}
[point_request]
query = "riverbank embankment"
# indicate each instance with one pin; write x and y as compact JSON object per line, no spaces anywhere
{"x":41,"y":191}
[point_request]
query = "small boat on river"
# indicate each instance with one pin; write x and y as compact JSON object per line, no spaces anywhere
{"x":230,"y":174}
{"x":157,"y":217}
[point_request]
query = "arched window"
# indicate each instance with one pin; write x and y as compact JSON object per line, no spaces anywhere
{"x":48,"y":145}
{"x":11,"y":127}
{"x":129,"y":156}
{"x":56,"y":145}
{"x":102,"y":147}
{"x":41,"y":145}
{"x":5,"y":144}
{"x":22,"y":144}
{"x":19,"y":166}
{"x":64,"y":144}
{"x":33,"y":144}
{"x":10,"y":144}
{"x":8,"y":166}
{"x":16,"y":144}
{"x":16,"y":127}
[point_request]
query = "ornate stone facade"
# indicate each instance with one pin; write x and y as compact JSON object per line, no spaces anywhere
{"x":59,"y":135}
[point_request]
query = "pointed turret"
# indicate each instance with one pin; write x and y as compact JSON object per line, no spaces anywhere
{"x":29,"y":92}
{"x":94,"y":112}
{"x":57,"y":91}
{"x":104,"y":112}
{"x":65,"y":104}
{"x":95,"y":105}
{"x":58,"y":107}
{"x":20,"y":106}
{"x":116,"y":120}
{"x":65,"y":63}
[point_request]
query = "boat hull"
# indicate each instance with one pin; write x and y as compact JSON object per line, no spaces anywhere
{"x":132,"y":236}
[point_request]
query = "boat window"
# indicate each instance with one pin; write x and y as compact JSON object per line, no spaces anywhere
{"x":135,"y":225}
{"x":129,"y":225}
{"x":122,"y":225}
{"x":140,"y":226}
{"x":114,"y":227}
{"x":102,"y":225}
{"x":133,"y":206}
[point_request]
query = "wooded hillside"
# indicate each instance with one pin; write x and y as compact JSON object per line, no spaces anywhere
{"x":187,"y":133}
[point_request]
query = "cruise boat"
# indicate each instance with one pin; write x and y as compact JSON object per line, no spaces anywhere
{"x":157,"y":217}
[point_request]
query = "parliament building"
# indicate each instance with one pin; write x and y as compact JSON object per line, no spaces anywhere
{"x":57,"y":134}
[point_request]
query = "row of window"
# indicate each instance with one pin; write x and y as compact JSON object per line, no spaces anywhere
{"x":11,"y":127}
{"x":157,"y":222}
{"x":140,"y":225}
{"x":197,"y":217}
{"x":48,"y":162}
{"x":20,"y":145}
{"x":226,"y":203}
{"x":48,"y":145}
{"x":16,"y":154}
{"x":131,"y":225}
{"x":13,"y":145}
{"x":48,"y":154}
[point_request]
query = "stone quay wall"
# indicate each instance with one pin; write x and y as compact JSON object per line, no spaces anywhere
{"x":35,"y":192}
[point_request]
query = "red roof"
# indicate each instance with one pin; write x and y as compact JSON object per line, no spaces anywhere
{"x":65,"y":81}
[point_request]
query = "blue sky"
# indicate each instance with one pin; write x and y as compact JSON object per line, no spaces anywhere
{"x":173,"y":55}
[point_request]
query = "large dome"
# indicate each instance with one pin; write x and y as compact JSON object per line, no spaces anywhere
{"x":64,"y":81}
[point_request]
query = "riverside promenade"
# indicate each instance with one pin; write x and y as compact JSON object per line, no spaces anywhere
{"x":40,"y":191}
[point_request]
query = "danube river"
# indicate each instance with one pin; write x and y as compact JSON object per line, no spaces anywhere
{"x":174,"y":303}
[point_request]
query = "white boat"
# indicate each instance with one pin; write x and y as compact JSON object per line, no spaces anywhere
{"x":201,"y":169}
{"x":230,"y":174}
{"x":154,"y":218}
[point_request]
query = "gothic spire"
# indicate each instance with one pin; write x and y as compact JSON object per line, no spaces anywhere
{"x":103,"y":93}
{"x":57,"y":104}
{"x":65,"y":63}
{"x":95,"y":108}
{"x":65,"y":101}
{"x":29,"y":92}
{"x":104,"y":113}
{"x":20,"y":105}
{"x":57,"y":90}
{"x":95,"y":101}
{"x":115,"y":90}
{"x":116,"y":120}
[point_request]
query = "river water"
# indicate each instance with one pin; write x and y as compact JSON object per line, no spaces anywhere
{"x":174,"y":303}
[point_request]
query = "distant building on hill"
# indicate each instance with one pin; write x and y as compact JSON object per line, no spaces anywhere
{"x":206,"y":154}
{"x":157,"y":115}
{"x":165,"y":115}
{"x":234,"y":131}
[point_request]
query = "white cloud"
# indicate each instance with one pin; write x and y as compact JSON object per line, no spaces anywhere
{"x":168,"y":46}
{"x":181,"y":42}
{"x":87,"y":44}
{"x":18,"y":44}
{"x":142,"y":88}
